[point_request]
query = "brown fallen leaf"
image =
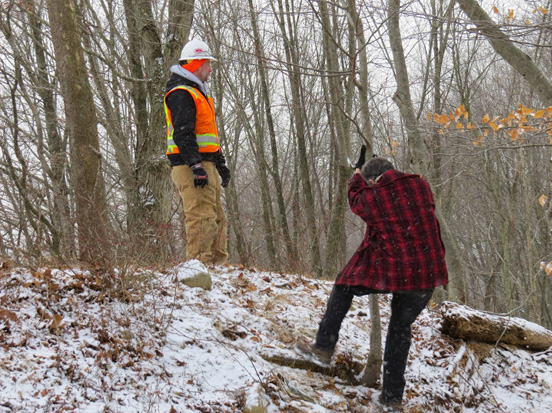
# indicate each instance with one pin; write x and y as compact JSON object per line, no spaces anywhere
{"x":56,"y":322}
{"x":7,"y":315}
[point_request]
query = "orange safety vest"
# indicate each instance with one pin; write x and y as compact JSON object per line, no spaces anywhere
{"x":205,"y":127}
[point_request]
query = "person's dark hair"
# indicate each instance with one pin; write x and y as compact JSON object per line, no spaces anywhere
{"x":375,"y":167}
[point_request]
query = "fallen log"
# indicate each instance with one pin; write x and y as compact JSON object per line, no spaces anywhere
{"x":465,"y":323}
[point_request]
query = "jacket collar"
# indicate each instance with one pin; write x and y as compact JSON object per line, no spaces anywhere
{"x":186,"y":74}
{"x":390,"y":176}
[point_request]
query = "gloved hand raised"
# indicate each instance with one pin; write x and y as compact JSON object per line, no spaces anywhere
{"x":362,"y":157}
{"x":225,"y":175}
{"x":200,"y":176}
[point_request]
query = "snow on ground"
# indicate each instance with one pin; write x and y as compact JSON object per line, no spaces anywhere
{"x":141,"y":341}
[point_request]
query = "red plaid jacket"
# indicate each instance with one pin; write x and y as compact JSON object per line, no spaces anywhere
{"x":402,"y":249}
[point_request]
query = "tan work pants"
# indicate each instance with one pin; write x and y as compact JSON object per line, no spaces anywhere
{"x":206,"y":225}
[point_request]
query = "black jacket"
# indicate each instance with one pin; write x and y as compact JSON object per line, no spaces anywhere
{"x":183,"y":113}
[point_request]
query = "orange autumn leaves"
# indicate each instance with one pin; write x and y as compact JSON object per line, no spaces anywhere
{"x":523,"y":125}
{"x":516,"y":125}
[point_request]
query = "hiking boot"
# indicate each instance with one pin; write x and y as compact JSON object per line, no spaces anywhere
{"x":314,"y":353}
{"x":390,"y":405}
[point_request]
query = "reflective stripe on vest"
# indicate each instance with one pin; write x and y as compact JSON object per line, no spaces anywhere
{"x":205,"y":129}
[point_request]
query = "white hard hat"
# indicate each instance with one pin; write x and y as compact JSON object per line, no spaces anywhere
{"x":196,"y":49}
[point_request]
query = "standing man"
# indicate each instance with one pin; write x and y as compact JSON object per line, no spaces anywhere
{"x":402,"y":253}
{"x":195,"y":156}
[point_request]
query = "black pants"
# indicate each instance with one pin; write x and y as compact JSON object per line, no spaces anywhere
{"x":405,"y":308}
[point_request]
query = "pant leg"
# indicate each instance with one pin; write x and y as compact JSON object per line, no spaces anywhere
{"x":338,"y":305}
{"x":220,"y":246}
{"x":405,"y":308}
{"x":200,"y":211}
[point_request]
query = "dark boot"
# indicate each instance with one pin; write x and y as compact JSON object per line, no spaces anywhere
{"x":314,"y":353}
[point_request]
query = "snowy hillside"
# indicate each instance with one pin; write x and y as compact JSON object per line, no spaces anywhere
{"x":142,"y":341}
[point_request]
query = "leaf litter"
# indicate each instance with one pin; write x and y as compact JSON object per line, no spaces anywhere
{"x":71,"y":340}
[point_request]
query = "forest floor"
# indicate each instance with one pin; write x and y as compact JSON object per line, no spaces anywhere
{"x":142,"y":341}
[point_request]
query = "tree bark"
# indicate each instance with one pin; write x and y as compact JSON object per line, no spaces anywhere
{"x":416,"y":143}
{"x":255,"y":136}
{"x":56,"y":147}
{"x":336,"y":241}
{"x":88,"y":182}
{"x":292,"y":64}
{"x":154,"y":188}
{"x":136,"y":213}
{"x":372,"y":371}
{"x":181,"y":14}
{"x":51,"y":222}
{"x":363,"y":84}
{"x":291,"y":249}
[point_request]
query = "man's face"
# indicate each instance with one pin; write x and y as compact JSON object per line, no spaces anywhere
{"x":204,"y":71}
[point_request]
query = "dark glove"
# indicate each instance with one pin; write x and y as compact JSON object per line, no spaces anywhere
{"x":362,"y":157}
{"x":225,"y":175}
{"x":200,"y":176}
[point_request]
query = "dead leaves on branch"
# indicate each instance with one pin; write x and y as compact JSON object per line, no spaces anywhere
{"x":525,"y":126}
{"x":517,"y":126}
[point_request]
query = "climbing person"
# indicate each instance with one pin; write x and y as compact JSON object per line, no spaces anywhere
{"x":402,"y":253}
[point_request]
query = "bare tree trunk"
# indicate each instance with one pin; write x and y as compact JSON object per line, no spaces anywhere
{"x":154,"y":189}
{"x":20,"y":176}
{"x":336,"y":241}
{"x":88,"y":182}
{"x":374,"y":361}
{"x":111,"y":119}
{"x":250,"y":118}
{"x":416,"y":143}
{"x":231,"y":192}
{"x":298,"y":117}
{"x":530,"y":264}
{"x":502,"y":44}
{"x":372,"y":371}
{"x":50,"y":222}
{"x":291,"y":249}
{"x":255,"y":136}
{"x":438,"y":44}
{"x":136,"y":213}
{"x":232,"y":204}
{"x":363,"y":85}
{"x":55,"y":145}
{"x":181,"y":14}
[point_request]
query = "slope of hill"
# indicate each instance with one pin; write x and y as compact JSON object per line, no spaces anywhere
{"x":141,"y":341}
